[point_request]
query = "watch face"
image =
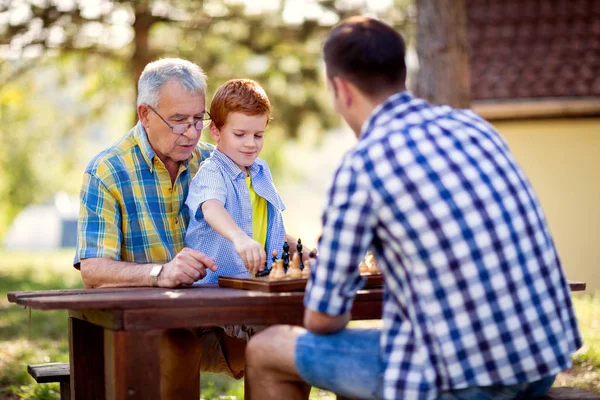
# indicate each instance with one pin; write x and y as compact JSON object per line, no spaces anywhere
{"x":156,"y":270}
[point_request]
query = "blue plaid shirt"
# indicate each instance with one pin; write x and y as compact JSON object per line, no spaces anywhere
{"x":221,"y":179}
{"x":475,"y":294}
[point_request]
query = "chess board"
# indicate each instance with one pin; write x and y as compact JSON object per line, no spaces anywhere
{"x":263,"y":284}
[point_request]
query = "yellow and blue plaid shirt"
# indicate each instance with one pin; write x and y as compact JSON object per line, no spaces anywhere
{"x":129,"y":209}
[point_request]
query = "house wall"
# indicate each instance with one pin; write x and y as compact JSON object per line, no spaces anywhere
{"x":561,"y":157}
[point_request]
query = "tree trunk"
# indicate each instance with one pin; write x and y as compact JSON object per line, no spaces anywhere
{"x":442,"y":47}
{"x":142,"y":54}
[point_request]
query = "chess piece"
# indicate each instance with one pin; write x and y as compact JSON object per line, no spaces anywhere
{"x":294,"y":271}
{"x":371,"y":262}
{"x":285,"y":256}
{"x":362,"y":267}
{"x":268,"y":268}
{"x":278,"y":273}
{"x":274,"y":258}
{"x":306,"y":270}
{"x":299,"y":248}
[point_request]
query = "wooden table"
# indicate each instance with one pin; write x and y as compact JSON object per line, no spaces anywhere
{"x":114,"y":334}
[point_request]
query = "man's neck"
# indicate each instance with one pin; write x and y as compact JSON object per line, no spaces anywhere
{"x":173,"y":168}
{"x":366,"y":106}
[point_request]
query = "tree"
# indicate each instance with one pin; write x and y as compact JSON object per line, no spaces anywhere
{"x":442,"y":47}
{"x":97,"y":50}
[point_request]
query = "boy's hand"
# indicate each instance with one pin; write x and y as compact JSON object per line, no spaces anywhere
{"x":185,"y":268}
{"x":251,"y":251}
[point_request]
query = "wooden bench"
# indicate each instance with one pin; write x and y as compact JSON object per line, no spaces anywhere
{"x":59,"y":372}
{"x":53,"y":372}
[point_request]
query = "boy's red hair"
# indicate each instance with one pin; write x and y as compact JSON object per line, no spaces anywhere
{"x":239,"y":95}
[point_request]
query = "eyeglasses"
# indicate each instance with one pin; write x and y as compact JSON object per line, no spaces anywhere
{"x":180,"y":129}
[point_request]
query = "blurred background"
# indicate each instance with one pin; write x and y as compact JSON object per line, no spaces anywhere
{"x":68,"y":74}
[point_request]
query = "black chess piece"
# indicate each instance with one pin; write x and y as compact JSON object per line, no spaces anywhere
{"x":299,"y":248}
{"x":265,"y":271}
{"x":268,"y":267}
{"x":285,"y":256}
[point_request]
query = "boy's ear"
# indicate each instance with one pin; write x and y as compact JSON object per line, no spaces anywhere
{"x":215,"y":133}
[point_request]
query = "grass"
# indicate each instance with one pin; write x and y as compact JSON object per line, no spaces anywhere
{"x":33,"y":336}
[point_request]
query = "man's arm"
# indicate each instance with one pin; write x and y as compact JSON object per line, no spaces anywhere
{"x":184,"y":269}
{"x":324,"y":324}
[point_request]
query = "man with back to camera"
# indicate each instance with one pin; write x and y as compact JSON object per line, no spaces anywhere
{"x":476,"y":303}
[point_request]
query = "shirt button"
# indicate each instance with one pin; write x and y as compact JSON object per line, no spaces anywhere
{"x":177,"y":221}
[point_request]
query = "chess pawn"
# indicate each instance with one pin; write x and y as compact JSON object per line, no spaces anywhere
{"x":294,"y":272}
{"x":278,"y":273}
{"x":274,"y":258}
{"x":306,"y":270}
{"x":363,"y":267}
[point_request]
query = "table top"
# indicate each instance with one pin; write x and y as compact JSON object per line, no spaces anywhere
{"x":202,"y":306}
{"x":130,"y":298}
{"x":148,"y":298}
{"x":142,"y":309}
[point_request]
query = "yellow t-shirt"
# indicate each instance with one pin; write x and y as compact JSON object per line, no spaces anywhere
{"x":259,"y":215}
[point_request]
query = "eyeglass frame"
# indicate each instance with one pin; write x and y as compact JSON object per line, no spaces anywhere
{"x":187,"y":124}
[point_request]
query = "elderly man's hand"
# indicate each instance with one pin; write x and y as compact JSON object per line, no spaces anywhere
{"x":185,"y":268}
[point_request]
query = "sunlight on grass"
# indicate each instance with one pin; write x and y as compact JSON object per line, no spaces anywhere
{"x":585,"y":373}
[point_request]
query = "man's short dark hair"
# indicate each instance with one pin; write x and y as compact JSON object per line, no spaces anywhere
{"x":368,"y":53}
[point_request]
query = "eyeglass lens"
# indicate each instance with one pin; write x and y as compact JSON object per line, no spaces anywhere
{"x":180,"y":129}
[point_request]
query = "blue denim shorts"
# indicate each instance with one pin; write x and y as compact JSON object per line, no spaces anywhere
{"x":347,"y":363}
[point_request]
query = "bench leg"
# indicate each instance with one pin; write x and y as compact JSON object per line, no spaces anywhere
{"x":65,"y":391}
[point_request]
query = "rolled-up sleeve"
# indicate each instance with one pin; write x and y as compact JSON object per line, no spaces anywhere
{"x":98,"y":227}
{"x":348,"y":222}
{"x":208,"y":184}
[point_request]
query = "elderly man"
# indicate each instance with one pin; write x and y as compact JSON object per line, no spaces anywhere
{"x":476,"y":306}
{"x":133,"y":221}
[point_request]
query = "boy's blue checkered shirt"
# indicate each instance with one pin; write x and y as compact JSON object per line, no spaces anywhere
{"x":221,"y":179}
{"x":475,"y":294}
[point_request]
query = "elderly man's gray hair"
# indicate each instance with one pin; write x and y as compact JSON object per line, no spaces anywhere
{"x":159,"y":72}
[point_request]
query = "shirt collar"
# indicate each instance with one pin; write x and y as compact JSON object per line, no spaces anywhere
{"x":381,"y":112}
{"x":231,"y":168}
{"x":141,"y":137}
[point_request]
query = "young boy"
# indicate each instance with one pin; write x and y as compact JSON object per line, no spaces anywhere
{"x":235,"y":210}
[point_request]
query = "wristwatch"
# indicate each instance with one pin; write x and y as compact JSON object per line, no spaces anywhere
{"x":154,"y":273}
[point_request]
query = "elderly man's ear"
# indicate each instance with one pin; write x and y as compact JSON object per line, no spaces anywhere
{"x":143,"y":113}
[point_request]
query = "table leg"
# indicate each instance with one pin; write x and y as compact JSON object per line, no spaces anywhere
{"x":132,"y":367}
{"x":86,"y":354}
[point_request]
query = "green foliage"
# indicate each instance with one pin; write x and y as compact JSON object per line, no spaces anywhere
{"x":587,"y":308}
{"x":32,"y":336}
{"x":68,"y":73}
